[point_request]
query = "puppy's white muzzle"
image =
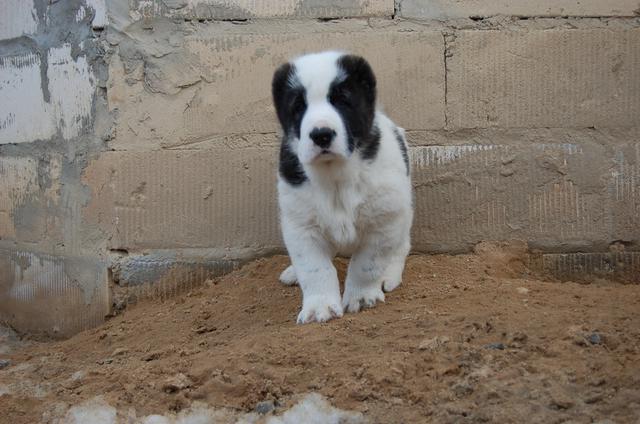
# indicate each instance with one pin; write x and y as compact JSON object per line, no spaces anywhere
{"x":322,"y":135}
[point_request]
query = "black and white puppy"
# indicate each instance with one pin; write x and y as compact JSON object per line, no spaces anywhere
{"x":343,"y":184}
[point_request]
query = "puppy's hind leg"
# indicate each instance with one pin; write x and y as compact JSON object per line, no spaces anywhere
{"x":288,"y":276}
{"x":392,"y":276}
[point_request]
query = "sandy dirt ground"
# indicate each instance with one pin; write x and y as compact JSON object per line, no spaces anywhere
{"x":466,"y":339}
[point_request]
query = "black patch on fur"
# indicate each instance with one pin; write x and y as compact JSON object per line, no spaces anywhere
{"x":354,"y":98}
{"x":403,"y":147}
{"x":369,"y":145}
{"x":290,"y":167}
{"x":290,"y":106}
{"x":290,"y":102}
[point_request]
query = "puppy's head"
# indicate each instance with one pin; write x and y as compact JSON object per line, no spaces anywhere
{"x":325,"y":103}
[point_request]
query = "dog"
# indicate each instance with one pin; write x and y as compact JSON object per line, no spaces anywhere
{"x":344,"y":184}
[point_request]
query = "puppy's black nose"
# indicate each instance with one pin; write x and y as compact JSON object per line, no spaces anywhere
{"x":322,"y":137}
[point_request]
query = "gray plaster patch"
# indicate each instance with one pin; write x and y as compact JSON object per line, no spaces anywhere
{"x":219,"y":11}
{"x":149,"y":269}
{"x":50,"y":294}
{"x":328,"y":8}
{"x":199,"y":10}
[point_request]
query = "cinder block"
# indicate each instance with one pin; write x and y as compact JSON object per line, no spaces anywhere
{"x":619,"y":266}
{"x":452,"y":9}
{"x":247,"y":9}
{"x":220,"y":83}
{"x":19,"y":178}
{"x":624,"y":193}
{"x":52,"y":295}
{"x":185,"y":199}
{"x":550,"y":78}
{"x":164,"y":274}
{"x":556,"y":196}
{"x":36,"y":105}
{"x":30,"y":199}
{"x":18,"y":18}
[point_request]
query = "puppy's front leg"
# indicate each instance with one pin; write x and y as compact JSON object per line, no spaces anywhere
{"x":363,"y":287}
{"x":378,"y":264}
{"x":312,"y":257}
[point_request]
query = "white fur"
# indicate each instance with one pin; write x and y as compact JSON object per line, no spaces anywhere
{"x":348,"y":206}
{"x":316,"y":72}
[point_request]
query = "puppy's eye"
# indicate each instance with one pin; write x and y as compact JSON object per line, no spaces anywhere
{"x":340,"y":97}
{"x":298,"y":103}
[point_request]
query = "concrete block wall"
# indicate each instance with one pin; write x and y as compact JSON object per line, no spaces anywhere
{"x":53,"y":116}
{"x":138,"y":142}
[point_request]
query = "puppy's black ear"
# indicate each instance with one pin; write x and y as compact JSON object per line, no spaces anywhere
{"x":359,"y":73}
{"x":279,"y":87}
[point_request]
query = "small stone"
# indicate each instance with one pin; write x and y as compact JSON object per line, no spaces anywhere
{"x":561,"y":404}
{"x":265,"y":407}
{"x":495,"y":346}
{"x":359,"y":395}
{"x":519,"y":337}
{"x":397,"y":401}
{"x":508,"y":159}
{"x":560,"y":401}
{"x":594,"y":397}
{"x":204,"y":329}
{"x":577,"y":336}
{"x":434,"y":343}
{"x":72,"y":384}
{"x":462,"y":389}
{"x":120,"y":351}
{"x":151,"y":356}
{"x":517,"y":340}
{"x":522,"y":290}
{"x":4,"y":363}
{"x":594,"y":339}
{"x":176,"y":383}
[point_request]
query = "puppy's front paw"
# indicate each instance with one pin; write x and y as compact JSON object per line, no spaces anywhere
{"x":356,"y":298}
{"x":319,"y":309}
{"x":288,"y":276}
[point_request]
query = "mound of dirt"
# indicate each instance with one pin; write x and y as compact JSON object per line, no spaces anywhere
{"x":460,"y":341}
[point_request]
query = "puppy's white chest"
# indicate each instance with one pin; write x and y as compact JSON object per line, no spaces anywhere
{"x":337,"y":216}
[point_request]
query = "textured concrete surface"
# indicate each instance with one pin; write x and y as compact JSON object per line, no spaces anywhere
{"x":216,"y":80}
{"x":588,"y":267}
{"x":553,"y":189}
{"x":452,"y":9}
{"x":511,"y":79}
{"x":138,"y":140}
{"x":220,"y":198}
{"x":52,"y":114}
{"x":52,"y":295}
{"x":246,"y":9}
